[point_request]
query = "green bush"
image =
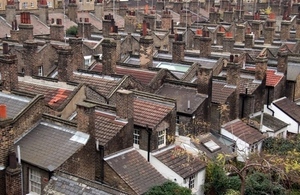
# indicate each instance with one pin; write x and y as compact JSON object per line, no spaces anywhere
{"x":73,"y":30}
{"x":169,"y":188}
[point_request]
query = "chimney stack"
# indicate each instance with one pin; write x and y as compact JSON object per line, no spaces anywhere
{"x":146,"y":48}
{"x":233,"y":71}
{"x":249,"y":39}
{"x":78,"y":58}
{"x":99,"y":9}
{"x":282,"y":61}
{"x":72,"y":10}
{"x":240,"y":33}
{"x":285,"y":30}
{"x":228,"y":42}
{"x":57,"y":30}
{"x":25,"y":28}
{"x":10,"y":11}
{"x":8,"y":69}
{"x":269,"y":29}
{"x":185,"y":18}
{"x":13,"y":176}
{"x":30,"y":58}
{"x":205,"y":43}
{"x":228,"y":16}
{"x":85,"y":28}
{"x":261,"y":62}
{"x":124,"y":104}
{"x":178,"y":49}
{"x":256,"y":28}
{"x":166,"y":19}
{"x":108,"y":57}
{"x":130,"y":22}
{"x":86,"y":118}
{"x":43,"y":12}
{"x":220,"y":35}
{"x":107,"y":25}
{"x":64,"y":67}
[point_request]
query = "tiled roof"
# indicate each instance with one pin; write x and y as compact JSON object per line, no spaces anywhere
{"x":149,"y":112}
{"x":248,"y":84}
{"x":135,"y":170}
{"x":64,"y":18}
{"x":273,"y":78}
{"x":106,"y":127}
{"x":5,"y":27}
{"x":288,"y":107}
{"x":101,"y":84}
{"x":243,"y":131}
{"x":221,"y":91}
{"x":54,"y":97}
{"x":181,"y":162}
{"x":14,"y":104}
{"x":271,"y":122}
{"x":144,"y":76}
{"x":93,"y":20}
{"x":39,"y":28}
{"x":48,"y":145}
{"x":201,"y":139}
{"x":61,"y":183}
{"x":182,"y":95}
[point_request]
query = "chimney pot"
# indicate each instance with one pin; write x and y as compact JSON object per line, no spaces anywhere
{"x":231,"y":58}
{"x":3,"y":114}
{"x":5,"y":48}
{"x":12,"y":160}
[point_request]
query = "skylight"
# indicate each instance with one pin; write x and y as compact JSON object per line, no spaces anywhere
{"x":211,"y":145}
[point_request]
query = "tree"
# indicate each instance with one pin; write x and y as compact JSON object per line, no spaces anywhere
{"x":73,"y":30}
{"x":169,"y":188}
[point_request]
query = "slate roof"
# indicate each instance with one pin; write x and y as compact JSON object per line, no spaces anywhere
{"x":106,"y":127}
{"x":5,"y":27}
{"x":243,"y":131}
{"x":221,"y":91}
{"x":133,"y":168}
{"x":103,"y":85}
{"x":54,"y":97}
{"x":64,"y":18}
{"x":271,"y":122}
{"x":288,"y":107}
{"x":182,"y":94}
{"x":293,"y":71}
{"x":144,"y":76}
{"x":39,"y":28}
{"x":14,"y":103}
{"x":149,"y":113}
{"x":201,"y":139}
{"x":62,"y":183}
{"x":48,"y":145}
{"x":181,"y":162}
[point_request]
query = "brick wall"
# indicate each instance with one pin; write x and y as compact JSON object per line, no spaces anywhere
{"x":150,"y":19}
{"x":129,"y":44}
{"x":13,"y":181}
{"x":166,"y":19}
{"x":249,"y":41}
{"x":72,"y":11}
{"x":178,"y":51}
{"x":99,"y":10}
{"x":8,"y":70}
{"x":297,"y":28}
{"x":297,"y":89}
{"x":205,"y":46}
{"x":260,"y":67}
{"x":25,"y":32}
{"x":47,"y":57}
{"x":220,"y":36}
{"x":146,"y":51}
{"x":117,"y":39}
{"x":285,"y":30}
{"x":57,"y":32}
{"x":240,"y":33}
{"x":228,"y":16}
{"x":64,"y":67}
{"x":84,"y":29}
{"x":228,"y":43}
{"x":109,"y":56}
{"x":269,"y":35}
{"x":78,"y":59}
{"x":30,"y":58}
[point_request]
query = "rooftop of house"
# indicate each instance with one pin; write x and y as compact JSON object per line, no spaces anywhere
{"x":39,"y":28}
{"x":221,"y":91}
{"x":63,"y":183}
{"x":288,"y":107}
{"x":5,"y":28}
{"x":211,"y":146}
{"x":14,"y":103}
{"x":270,"y":121}
{"x":107,"y":126}
{"x":133,"y":168}
{"x":142,"y":75}
{"x":273,"y":77}
{"x":56,"y":94}
{"x":180,"y":161}
{"x":150,"y":113}
{"x":64,"y":18}
{"x":243,"y":131}
{"x":183,"y":96}
{"x":293,"y":71}
{"x":49,"y":145}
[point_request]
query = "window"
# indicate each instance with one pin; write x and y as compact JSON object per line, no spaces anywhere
{"x":253,"y":148}
{"x":32,"y":4}
{"x":49,"y":3}
{"x":40,"y":73}
{"x":25,"y":4}
{"x":34,"y":182}
{"x":136,"y":136}
{"x":162,"y":138}
{"x":192,"y":182}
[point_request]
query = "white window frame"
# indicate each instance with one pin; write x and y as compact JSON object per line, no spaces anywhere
{"x":34,"y":182}
{"x":25,"y":5}
{"x":192,"y":181}
{"x":136,"y":136}
{"x":31,"y":4}
{"x":161,"y":138}
{"x":254,"y":148}
{"x":40,"y":71}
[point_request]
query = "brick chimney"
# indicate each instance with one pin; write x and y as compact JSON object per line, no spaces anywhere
{"x":224,"y":4}
{"x":57,"y":30}
{"x":64,"y":67}
{"x":166,"y":19}
{"x":86,"y":118}
{"x":239,"y":12}
{"x":285,"y":30}
{"x":10,"y":11}
{"x":171,"y":38}
{"x":204,"y":80}
{"x":107,"y":24}
{"x":99,"y":9}
{"x":30,"y":58}
{"x":220,"y":35}
{"x":150,"y":20}
{"x":261,"y":62}
{"x":239,"y":33}
{"x":269,"y":29}
{"x":298,"y":28}
{"x":13,"y":176}
{"x":205,"y":43}
{"x":78,"y":58}
{"x":177,"y":6}
{"x":108,"y":56}
{"x":124,"y":104}
{"x":43,"y":12}
{"x":178,"y":49}
{"x":282,"y":61}
{"x":197,"y":37}
{"x":146,"y":48}
{"x":118,"y":40}
{"x":256,"y":28}
{"x":130,"y":22}
{"x":84,"y":28}
{"x":228,"y":42}
{"x":72,"y":10}
{"x":25,"y":28}
{"x":14,"y":33}
{"x":249,"y":39}
{"x":214,"y":17}
{"x":185,"y":18}
{"x":233,"y":71}
{"x":228,"y":16}
{"x":8,"y":69}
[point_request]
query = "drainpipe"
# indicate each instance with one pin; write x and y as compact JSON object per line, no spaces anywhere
{"x":294,"y":91}
{"x":269,"y":102}
{"x":149,"y":142}
{"x":243,"y":102}
{"x":101,"y":149}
